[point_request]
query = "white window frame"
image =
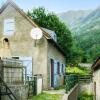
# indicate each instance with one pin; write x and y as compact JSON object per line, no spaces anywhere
{"x":9,"y":26}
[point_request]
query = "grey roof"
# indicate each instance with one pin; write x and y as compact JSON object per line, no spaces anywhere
{"x":47,"y":30}
{"x":96,"y":64}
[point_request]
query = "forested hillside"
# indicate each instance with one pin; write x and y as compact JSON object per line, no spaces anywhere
{"x":86,"y":32}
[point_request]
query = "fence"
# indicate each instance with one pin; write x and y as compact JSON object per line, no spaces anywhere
{"x":35,"y":85}
{"x":85,"y":78}
{"x":13,"y":71}
{"x":70,"y":81}
{"x":31,"y":84}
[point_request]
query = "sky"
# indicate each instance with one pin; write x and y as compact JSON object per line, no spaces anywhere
{"x":58,"y":6}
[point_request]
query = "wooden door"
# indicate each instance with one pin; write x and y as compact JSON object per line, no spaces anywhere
{"x":52,"y":73}
{"x":55,"y":74}
{"x":95,"y":90}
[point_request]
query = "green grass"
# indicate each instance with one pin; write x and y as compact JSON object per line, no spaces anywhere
{"x":46,"y":96}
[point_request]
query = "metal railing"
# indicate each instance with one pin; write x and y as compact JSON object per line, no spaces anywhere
{"x":70,"y":81}
{"x":31,"y":83}
{"x":5,"y":90}
{"x":12,"y":62}
{"x":14,"y":75}
{"x":85,"y":78}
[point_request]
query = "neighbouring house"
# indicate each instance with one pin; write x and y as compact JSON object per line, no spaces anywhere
{"x":96,"y":78}
{"x":85,"y":65}
{"x":46,"y":58}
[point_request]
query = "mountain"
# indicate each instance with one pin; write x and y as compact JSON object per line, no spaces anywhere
{"x":85,"y":27}
{"x":72,"y":17}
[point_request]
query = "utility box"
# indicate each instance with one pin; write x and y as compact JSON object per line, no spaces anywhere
{"x":38,"y":84}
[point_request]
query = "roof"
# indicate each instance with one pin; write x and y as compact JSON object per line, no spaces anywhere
{"x":47,"y":30}
{"x":96,"y":64}
{"x":45,"y":33}
{"x":53,"y":41}
{"x":51,"y":33}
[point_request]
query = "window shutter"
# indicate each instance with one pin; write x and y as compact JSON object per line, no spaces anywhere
{"x":9,"y":26}
{"x":64,"y":68}
{"x":58,"y":67}
{"x":55,"y":67}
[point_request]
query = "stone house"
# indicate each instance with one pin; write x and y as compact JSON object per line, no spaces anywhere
{"x":96,"y":78}
{"x":46,"y":58}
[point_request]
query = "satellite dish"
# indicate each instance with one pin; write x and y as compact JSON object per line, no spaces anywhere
{"x":36,"y":33}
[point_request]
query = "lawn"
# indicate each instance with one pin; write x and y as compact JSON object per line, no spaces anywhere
{"x":46,"y":96}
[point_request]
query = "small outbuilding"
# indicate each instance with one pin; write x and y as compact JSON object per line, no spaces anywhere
{"x":96,"y":78}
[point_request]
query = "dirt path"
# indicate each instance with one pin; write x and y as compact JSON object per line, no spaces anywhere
{"x":62,"y":92}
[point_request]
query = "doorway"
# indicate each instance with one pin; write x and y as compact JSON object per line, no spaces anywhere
{"x":94,"y":90}
{"x":52,"y":73}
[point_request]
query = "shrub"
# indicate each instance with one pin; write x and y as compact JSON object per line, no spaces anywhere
{"x":85,"y":96}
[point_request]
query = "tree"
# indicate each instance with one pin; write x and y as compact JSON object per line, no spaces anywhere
{"x":50,"y":21}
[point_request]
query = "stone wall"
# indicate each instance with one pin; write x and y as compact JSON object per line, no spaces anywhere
{"x":85,"y":86}
{"x":73,"y":94}
{"x":96,"y":84}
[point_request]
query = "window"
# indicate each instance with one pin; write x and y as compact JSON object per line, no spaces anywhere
{"x":9,"y":26}
{"x":63,"y":68}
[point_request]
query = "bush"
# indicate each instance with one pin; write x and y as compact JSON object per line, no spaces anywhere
{"x":77,"y":70}
{"x":85,"y":96}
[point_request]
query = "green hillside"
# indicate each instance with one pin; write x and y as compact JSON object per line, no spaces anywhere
{"x":87,"y":33}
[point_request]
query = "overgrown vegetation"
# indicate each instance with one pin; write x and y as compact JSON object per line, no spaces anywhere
{"x":70,"y":81}
{"x":77,"y":70}
{"x":50,"y":21}
{"x":46,"y":96}
{"x":85,"y":96}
